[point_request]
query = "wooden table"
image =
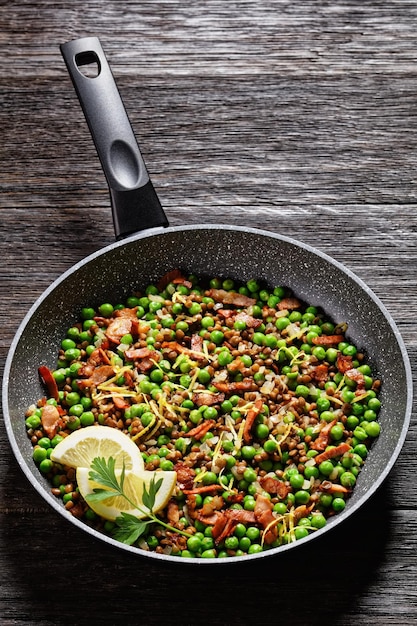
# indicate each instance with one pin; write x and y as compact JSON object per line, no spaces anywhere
{"x":297,"y":117}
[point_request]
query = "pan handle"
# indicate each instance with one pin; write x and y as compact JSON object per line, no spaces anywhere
{"x":135,"y":205}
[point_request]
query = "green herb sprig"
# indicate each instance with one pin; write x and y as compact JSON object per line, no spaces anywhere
{"x":128,"y":527}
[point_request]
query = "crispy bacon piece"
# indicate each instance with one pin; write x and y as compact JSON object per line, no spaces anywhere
{"x":329,"y":487}
{"x":99,"y":375}
{"x":183,"y":281}
{"x":289,"y":304}
{"x":177,"y":347}
{"x":51,"y":420}
{"x":49,"y":381}
{"x":118,"y":327}
{"x":300,"y":512}
{"x":274,"y":486}
{"x":169,"y":277}
{"x":328,"y":340}
{"x":320,"y":373}
{"x":322,"y":440}
{"x":250,"y":420}
{"x":230,"y":297}
{"x":241,"y":385}
{"x":173,"y":512}
{"x":215,"y":504}
{"x":226,"y":313}
{"x":97,"y":357}
{"x":354,"y":374}
{"x":203,"y":489}
{"x":185,"y":475}
{"x":265,"y":517}
{"x":196,"y":343}
{"x":344,"y":363}
{"x":144,"y":358}
{"x":120,"y":403}
{"x":207,"y":398}
{"x":251,"y":322}
{"x":126,"y":313}
{"x":199,"y":431}
{"x":228,"y":520}
{"x":332,"y":452}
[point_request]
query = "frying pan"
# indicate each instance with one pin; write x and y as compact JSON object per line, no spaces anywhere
{"x":135,"y":260}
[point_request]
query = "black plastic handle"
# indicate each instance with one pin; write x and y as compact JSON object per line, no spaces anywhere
{"x":135,"y":205}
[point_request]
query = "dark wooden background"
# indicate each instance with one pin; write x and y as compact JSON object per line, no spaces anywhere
{"x":297,"y":117}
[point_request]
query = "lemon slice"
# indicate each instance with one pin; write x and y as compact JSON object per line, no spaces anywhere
{"x":112,"y":507}
{"x":82,"y":446}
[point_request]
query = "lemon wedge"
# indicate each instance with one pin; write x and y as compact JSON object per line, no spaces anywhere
{"x":110,"y":508}
{"x":82,"y":446}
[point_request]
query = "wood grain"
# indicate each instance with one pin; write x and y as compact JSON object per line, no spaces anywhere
{"x":299,"y":118}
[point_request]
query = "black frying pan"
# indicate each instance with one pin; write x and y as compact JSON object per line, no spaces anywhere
{"x":211,"y":250}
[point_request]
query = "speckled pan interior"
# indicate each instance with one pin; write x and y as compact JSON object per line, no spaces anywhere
{"x":239,"y":253}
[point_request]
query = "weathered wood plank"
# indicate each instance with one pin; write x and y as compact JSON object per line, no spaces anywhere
{"x":294,"y":117}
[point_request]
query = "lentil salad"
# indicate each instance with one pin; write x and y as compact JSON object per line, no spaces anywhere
{"x":259,"y":403}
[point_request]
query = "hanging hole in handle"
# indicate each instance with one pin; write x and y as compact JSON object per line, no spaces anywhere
{"x":88,"y":64}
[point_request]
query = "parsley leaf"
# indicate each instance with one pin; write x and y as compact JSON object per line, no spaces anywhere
{"x":129,"y":528}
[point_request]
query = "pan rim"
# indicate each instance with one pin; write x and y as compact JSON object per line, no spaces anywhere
{"x":336,"y":520}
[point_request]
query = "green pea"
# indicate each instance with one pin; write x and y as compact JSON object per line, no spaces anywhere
{"x":360,"y":433}
{"x":326,"y":468}
{"x":336,"y":433}
{"x":204,"y":376}
{"x":270,"y":341}
{"x":147,"y":418}
{"x":253,"y":533}
{"x":282,"y":323}
{"x":319,"y":352}
{"x":348,"y":480}
{"x":194,"y":544}
{"x":209,"y":554}
{"x":106,"y":309}
{"x":34,"y":421}
{"x":262,"y":431}
{"x":250,"y":475}
{"x":318,"y":520}
{"x":209,"y":478}
{"x":231,"y":543}
{"x":351,"y":422}
{"x":338,"y":504}
{"x":87,"y":418}
{"x":302,"y":390}
{"x":39,"y":454}
{"x":369,"y":415}
{"x":255,"y":548}
{"x":361,"y":450}
{"x":300,"y":532}
{"x":372,"y":429}
{"x":374,"y":404}
{"x":270,"y":446}
{"x":311,"y":472}
{"x":347,"y":395}
{"x":73,"y":422}
{"x":224,"y":358}
{"x":72,"y":397}
{"x":302,"y":496}
{"x":195,"y":308}
{"x":210,"y":413}
{"x":323,"y":404}
{"x":86,"y":403}
{"x":296,"y":480}
{"x":45,"y":466}
{"x":248,"y":452}
{"x":217,"y":337}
